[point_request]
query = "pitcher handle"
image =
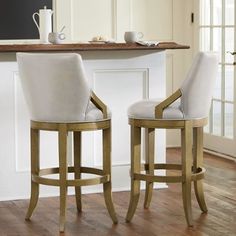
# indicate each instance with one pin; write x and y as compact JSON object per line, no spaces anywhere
{"x":33,"y":16}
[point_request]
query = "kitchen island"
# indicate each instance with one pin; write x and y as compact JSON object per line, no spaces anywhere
{"x":119,"y":73}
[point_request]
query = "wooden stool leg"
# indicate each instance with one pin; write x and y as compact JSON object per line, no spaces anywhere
{"x":149,"y":155}
{"x":186,"y":141}
{"x":77,"y":165}
{"x":107,"y":188}
{"x":35,"y":138}
{"x":198,"y":162}
{"x":135,"y":168}
{"x":63,"y":173}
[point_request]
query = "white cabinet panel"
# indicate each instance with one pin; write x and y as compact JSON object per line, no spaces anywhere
{"x":153,"y":17}
{"x":48,"y":140}
{"x":91,"y":18}
{"x":120,"y":79}
{"x":111,"y":18}
{"x":22,"y":132}
{"x":119,"y":89}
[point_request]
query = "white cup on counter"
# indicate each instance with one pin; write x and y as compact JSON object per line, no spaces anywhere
{"x":132,"y":36}
{"x":56,"y":38}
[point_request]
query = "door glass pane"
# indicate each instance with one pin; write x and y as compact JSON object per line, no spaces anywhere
{"x":217,"y":39}
{"x":217,"y":89}
{"x":217,"y":33}
{"x":204,"y":12}
{"x":229,"y":12}
{"x":205,"y":39}
{"x":229,"y":83}
{"x":216,"y":118}
{"x":217,"y":12}
{"x":229,"y":119}
{"x":229,"y":44}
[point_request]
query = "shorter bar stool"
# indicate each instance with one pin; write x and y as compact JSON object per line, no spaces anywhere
{"x":59,"y":99}
{"x":187,"y":109}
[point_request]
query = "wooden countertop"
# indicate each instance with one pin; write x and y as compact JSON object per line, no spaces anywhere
{"x":87,"y":47}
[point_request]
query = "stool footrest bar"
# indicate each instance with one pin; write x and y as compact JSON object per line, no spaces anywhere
{"x":199,"y":174}
{"x":157,"y":178}
{"x":168,"y":179}
{"x":163,"y":166}
{"x":103,"y":178}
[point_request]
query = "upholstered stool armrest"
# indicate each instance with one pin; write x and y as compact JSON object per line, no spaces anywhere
{"x":164,"y":104}
{"x":99,"y":104}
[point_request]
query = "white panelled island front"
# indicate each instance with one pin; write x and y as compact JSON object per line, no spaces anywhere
{"x":120,"y":74}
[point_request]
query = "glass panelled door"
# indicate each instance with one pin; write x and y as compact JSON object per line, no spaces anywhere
{"x":216,"y":32}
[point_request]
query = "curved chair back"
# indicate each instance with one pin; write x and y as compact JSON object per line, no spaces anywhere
{"x":197,"y":88}
{"x":54,"y":85}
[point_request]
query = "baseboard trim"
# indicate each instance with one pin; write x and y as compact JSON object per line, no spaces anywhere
{"x":172,"y":146}
{"x":218,"y":154}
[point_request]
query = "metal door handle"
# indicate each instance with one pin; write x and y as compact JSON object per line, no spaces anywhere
{"x":232,"y":53}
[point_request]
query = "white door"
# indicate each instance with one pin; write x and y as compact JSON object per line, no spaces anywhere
{"x":215,"y":31}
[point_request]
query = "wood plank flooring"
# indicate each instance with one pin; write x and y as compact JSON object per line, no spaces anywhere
{"x":165,"y":216}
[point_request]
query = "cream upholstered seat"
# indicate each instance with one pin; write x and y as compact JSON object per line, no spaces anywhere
{"x":187,"y":109}
{"x":145,"y":109}
{"x":59,"y":99}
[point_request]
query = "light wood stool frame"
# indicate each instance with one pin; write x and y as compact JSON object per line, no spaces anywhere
{"x":192,"y":159}
{"x":37,"y":174}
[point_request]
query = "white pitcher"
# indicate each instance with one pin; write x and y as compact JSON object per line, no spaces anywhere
{"x":45,"y":23}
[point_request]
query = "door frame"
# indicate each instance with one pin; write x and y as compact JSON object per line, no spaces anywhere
{"x":214,"y":143}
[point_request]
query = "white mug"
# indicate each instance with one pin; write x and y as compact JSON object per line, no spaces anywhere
{"x":132,"y":36}
{"x":56,"y":38}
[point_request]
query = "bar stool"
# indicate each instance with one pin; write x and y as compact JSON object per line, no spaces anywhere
{"x":59,"y":99}
{"x":186,"y":110}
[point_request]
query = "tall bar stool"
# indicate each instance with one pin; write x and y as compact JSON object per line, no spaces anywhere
{"x":188,"y":114}
{"x":59,"y":99}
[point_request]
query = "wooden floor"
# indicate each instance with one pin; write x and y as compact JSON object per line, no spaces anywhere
{"x":166,"y":216}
